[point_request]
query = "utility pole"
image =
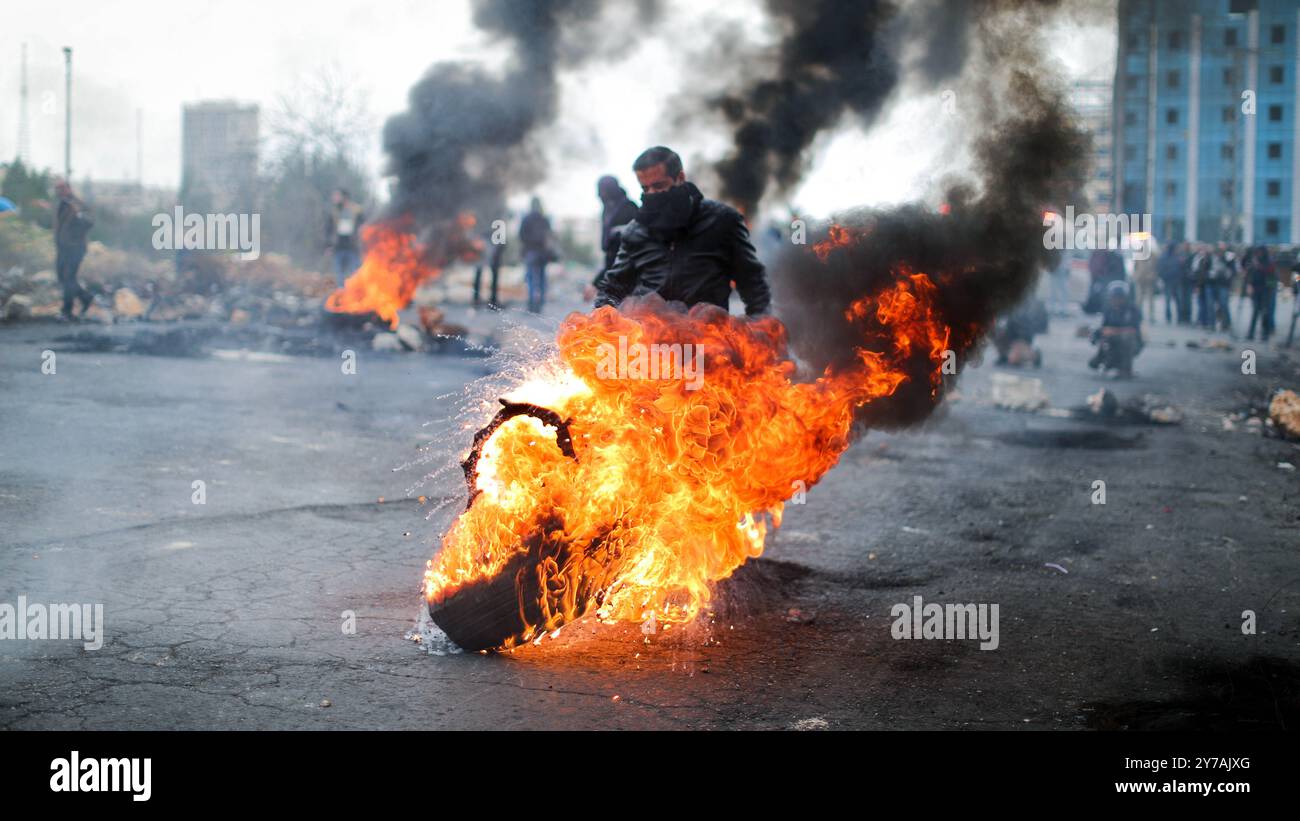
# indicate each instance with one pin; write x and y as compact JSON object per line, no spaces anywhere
{"x":24,"y":125}
{"x":67,"y":118}
{"x":139,"y":147}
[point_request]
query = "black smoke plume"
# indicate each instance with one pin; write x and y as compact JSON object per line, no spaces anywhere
{"x":832,"y":59}
{"x":984,"y":248}
{"x":469,"y":136}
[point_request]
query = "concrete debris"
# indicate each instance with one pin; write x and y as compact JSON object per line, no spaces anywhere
{"x":808,"y":724}
{"x":127,"y":305}
{"x":1019,"y":392}
{"x":1165,"y":415}
{"x":17,"y":307}
{"x":1103,"y":403}
{"x":1284,"y":411}
{"x":411,"y":337}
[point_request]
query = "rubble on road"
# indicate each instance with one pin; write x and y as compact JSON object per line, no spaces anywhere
{"x":267,"y":304}
{"x":1103,"y":403}
{"x":1284,"y":411}
{"x":126,"y":305}
{"x":1147,"y":409}
{"x":411,"y":337}
{"x":434,"y":322}
{"x":1019,"y":392}
{"x":1209,"y":344}
{"x":16,"y":307}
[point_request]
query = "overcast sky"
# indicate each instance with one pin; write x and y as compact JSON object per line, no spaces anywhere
{"x":155,"y":55}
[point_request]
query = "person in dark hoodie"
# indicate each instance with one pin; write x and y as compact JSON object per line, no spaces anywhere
{"x":617,"y":211}
{"x":682,"y":246}
{"x":1260,"y":284}
{"x":71,"y":227}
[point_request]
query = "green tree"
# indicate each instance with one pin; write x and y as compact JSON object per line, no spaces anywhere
{"x":29,"y":190}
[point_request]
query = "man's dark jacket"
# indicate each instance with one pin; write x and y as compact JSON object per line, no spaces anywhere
{"x":695,"y":264}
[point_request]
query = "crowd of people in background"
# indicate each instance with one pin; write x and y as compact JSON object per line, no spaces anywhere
{"x":1195,"y":282}
{"x":1198,"y":281}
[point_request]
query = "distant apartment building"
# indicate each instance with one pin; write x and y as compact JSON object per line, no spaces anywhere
{"x":1091,"y":99}
{"x":1205,"y":118}
{"x":219,"y":142}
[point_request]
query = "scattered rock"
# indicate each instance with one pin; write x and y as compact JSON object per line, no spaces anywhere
{"x":430,"y":319}
{"x":1165,"y":415}
{"x":806,"y":724}
{"x":452,"y":329}
{"x":1284,"y":411}
{"x":1018,"y":392}
{"x":17,"y":307}
{"x":411,"y":337}
{"x":1103,"y":403}
{"x":127,"y":305}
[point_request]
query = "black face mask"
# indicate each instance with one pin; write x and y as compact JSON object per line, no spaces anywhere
{"x":669,"y":210}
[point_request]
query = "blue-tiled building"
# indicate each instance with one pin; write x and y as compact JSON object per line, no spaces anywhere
{"x":1205,"y":118}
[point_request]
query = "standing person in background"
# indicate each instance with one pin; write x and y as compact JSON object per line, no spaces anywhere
{"x":71,"y":227}
{"x":616,"y":212}
{"x":1260,"y":284}
{"x":1104,"y":267}
{"x":1144,"y":278}
{"x":342,"y":231}
{"x":1294,"y":284}
{"x":1200,"y":279}
{"x":1170,"y":270}
{"x":1223,"y":268}
{"x":491,"y":257}
{"x":1058,"y":298}
{"x":537,"y":238}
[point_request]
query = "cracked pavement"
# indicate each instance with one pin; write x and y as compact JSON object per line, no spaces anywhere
{"x":228,"y":615}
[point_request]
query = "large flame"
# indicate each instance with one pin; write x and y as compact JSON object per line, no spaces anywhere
{"x":672,"y":489}
{"x":394,"y":267}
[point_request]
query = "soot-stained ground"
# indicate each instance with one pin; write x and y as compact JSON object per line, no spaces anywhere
{"x":228,"y":614}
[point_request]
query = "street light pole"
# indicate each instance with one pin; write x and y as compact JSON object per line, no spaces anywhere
{"x":67,"y":118}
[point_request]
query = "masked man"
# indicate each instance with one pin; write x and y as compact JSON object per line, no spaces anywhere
{"x":682,"y":246}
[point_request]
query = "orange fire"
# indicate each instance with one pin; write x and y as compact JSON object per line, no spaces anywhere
{"x":394,"y":266}
{"x":672,"y":488}
{"x":837,"y":236}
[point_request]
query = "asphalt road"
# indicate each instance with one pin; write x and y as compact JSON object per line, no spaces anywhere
{"x":230,"y":614}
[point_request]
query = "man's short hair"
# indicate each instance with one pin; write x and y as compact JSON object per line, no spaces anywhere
{"x":656,"y":155}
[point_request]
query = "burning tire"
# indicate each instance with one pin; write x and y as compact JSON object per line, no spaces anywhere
{"x":508,"y":608}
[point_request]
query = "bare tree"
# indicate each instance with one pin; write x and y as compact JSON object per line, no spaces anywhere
{"x":317,"y":135}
